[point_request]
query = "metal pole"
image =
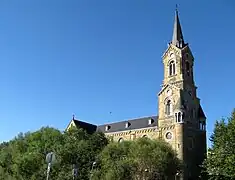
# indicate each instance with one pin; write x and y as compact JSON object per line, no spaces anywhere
{"x":48,"y":170}
{"x":92,"y":167}
{"x":75,"y":171}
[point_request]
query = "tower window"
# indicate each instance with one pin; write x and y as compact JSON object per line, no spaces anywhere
{"x":168,"y":107}
{"x":179,"y":117}
{"x":202,"y":125}
{"x":172,"y":68}
{"x":187,"y":68}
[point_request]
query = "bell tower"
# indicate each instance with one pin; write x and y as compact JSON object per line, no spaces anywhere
{"x":179,"y":105}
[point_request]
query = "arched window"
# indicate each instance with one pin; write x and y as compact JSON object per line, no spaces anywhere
{"x":179,"y":116}
{"x":168,"y":107}
{"x":120,"y":140}
{"x":145,"y":136}
{"x":202,"y":125}
{"x":172,"y":68}
{"x":187,"y":68}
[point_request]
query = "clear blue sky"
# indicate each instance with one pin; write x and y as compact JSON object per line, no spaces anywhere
{"x":91,"y":57}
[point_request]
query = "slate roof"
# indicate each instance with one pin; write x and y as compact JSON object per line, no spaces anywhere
{"x":137,"y":123}
{"x":90,"y":128}
{"x":177,"y":38}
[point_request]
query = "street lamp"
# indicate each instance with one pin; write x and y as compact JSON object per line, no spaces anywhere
{"x":92,"y":167}
{"x":145,"y":173}
{"x":177,"y":175}
{"x":75,"y":171}
{"x":50,"y":159}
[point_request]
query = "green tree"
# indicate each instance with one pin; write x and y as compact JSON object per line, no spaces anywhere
{"x":137,"y":160}
{"x":24,"y":156}
{"x":80,"y":148}
{"x":220,"y":163}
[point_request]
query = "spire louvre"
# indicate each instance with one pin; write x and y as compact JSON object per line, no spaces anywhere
{"x":177,"y":38}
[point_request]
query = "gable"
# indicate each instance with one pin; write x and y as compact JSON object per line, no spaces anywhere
{"x":89,"y":128}
{"x":168,"y":86}
{"x":171,"y":49}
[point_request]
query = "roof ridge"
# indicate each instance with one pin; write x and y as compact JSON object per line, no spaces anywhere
{"x":83,"y":121}
{"x":142,"y":117}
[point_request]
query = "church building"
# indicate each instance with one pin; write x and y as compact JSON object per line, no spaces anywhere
{"x":180,"y":120}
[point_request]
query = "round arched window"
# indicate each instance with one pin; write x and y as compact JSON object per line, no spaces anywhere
{"x":169,"y":135}
{"x":168,"y":108}
{"x":172,"y":68}
{"x":120,"y":140}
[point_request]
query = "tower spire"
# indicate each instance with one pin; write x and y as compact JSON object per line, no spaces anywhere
{"x":177,"y":38}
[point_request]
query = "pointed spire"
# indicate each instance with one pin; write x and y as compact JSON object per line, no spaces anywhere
{"x":177,"y":38}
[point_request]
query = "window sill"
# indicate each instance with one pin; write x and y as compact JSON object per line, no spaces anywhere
{"x":180,"y":122}
{"x":170,"y":76}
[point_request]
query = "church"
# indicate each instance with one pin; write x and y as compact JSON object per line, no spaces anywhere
{"x":180,"y":120}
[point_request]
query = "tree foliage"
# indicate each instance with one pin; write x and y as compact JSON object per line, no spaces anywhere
{"x":220,"y":163}
{"x":24,"y":157}
{"x":136,"y":160}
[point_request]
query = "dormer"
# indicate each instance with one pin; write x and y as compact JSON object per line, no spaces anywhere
{"x":150,"y":121}
{"x":107,"y":127}
{"x":127,"y":124}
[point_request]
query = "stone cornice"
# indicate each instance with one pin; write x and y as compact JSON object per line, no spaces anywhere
{"x":135,"y":131}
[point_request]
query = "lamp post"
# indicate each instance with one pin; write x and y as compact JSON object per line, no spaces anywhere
{"x":177,"y":175}
{"x":145,"y":174}
{"x":50,"y":159}
{"x":75,"y":171}
{"x":92,"y":167}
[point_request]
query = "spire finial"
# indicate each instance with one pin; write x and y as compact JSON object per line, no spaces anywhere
{"x":176,"y":7}
{"x":73,"y":117}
